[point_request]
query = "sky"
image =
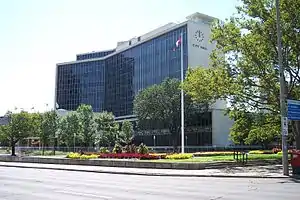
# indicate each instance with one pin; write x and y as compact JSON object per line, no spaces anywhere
{"x":37,"y":34}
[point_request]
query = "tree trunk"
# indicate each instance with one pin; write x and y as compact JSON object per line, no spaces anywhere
{"x":13,"y":148}
{"x":43,"y":148}
{"x":174,"y":141}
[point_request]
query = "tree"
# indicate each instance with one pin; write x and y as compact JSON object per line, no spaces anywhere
{"x":249,"y":76}
{"x":107,"y":129}
{"x":19,"y":127}
{"x":48,"y":128}
{"x":69,"y":130}
{"x":254,"y":128}
{"x":162,"y":103}
{"x":37,"y":119}
{"x":265,"y":129}
{"x":127,"y":132}
{"x":87,"y":123}
{"x":242,"y":126}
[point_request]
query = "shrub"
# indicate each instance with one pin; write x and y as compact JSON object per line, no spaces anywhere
{"x":150,"y":157}
{"x":73,"y":156}
{"x":179,"y":156}
{"x":213,"y":153}
{"x":83,"y":157}
{"x":130,"y":148}
{"x":256,"y":152}
{"x":159,"y":155}
{"x":143,"y":149}
{"x":117,"y":148}
{"x":261,"y":152}
{"x":104,"y":150}
{"x":86,"y":157}
{"x":276,"y":150}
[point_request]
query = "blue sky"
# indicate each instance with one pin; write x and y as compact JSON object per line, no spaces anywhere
{"x":37,"y":34}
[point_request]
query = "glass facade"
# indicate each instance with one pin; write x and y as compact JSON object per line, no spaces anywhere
{"x":111,"y":83}
{"x":198,"y":132}
{"x":81,"y":83}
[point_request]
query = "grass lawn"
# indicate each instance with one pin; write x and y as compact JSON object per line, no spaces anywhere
{"x":224,"y":158}
{"x":38,"y":153}
{"x":3,"y":151}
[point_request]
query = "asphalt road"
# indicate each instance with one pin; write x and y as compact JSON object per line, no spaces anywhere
{"x":34,"y":184}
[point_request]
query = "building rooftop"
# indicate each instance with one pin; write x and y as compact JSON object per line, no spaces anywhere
{"x":124,"y":45}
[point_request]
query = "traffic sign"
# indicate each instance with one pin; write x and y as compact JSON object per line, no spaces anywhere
{"x":293,"y":110}
{"x":285,"y":128}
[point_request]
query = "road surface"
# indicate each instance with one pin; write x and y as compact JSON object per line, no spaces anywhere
{"x":41,"y":184}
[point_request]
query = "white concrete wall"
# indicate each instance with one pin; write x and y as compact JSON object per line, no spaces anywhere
{"x":221,"y":125}
{"x":199,"y":45}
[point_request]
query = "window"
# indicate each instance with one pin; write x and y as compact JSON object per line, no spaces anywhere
{"x":110,"y":84}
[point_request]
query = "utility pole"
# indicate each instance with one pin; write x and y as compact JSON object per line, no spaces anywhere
{"x":282,"y":95}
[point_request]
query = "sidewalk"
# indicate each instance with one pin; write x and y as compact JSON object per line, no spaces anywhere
{"x":270,"y":171}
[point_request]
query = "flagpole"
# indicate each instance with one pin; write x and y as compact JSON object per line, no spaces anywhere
{"x":182,"y":95}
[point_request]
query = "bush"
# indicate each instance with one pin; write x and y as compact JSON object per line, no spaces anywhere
{"x":276,"y":150}
{"x":213,"y":153}
{"x":104,"y":150}
{"x":86,"y":157}
{"x":159,"y":155}
{"x":261,"y":152}
{"x":73,"y":156}
{"x":179,"y":156}
{"x":143,"y":149}
{"x":117,"y":148}
{"x":130,"y":148}
{"x":130,"y":156}
{"x":83,"y":157}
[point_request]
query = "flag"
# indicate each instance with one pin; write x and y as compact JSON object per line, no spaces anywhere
{"x":178,"y":42}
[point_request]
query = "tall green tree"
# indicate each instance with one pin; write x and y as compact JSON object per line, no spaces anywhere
{"x":163,"y":103}
{"x":19,"y":127}
{"x":107,"y":129}
{"x":49,"y":127}
{"x":87,"y":123}
{"x":37,"y":119}
{"x":69,"y":130}
{"x":249,"y":74}
{"x":254,"y":128}
{"x":127,"y":132}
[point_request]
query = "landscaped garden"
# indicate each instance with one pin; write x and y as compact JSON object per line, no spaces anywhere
{"x":142,"y":153}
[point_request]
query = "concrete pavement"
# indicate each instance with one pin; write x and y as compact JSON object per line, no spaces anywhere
{"x":41,"y":184}
{"x":271,"y":171}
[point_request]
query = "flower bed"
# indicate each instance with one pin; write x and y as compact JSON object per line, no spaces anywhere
{"x":213,"y":153}
{"x":179,"y":156}
{"x":82,"y":157}
{"x":261,"y":152}
{"x":130,"y":156}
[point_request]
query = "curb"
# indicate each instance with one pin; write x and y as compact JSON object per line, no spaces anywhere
{"x":148,"y":173}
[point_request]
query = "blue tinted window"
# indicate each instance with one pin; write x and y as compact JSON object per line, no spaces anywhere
{"x":110,"y":84}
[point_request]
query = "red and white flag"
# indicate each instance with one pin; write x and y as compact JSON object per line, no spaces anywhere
{"x":178,"y":43}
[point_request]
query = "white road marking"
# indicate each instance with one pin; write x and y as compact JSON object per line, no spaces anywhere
{"x":82,"y":194}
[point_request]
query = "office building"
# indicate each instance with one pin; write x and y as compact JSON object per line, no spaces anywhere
{"x":109,"y":80}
